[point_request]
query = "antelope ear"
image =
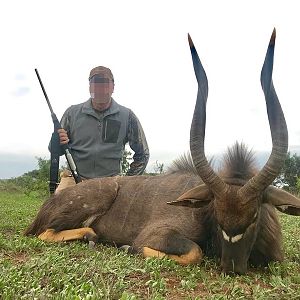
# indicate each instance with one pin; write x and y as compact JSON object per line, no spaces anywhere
{"x":282,"y":200}
{"x":197,"y":197}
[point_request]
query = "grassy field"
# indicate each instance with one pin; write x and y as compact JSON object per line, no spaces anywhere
{"x":32,"y":269}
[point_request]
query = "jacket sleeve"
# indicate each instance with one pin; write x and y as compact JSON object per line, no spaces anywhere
{"x":65,"y":120}
{"x":64,"y":124}
{"x":138,"y":143}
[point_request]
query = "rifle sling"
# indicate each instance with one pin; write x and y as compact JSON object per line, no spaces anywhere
{"x":55,"y":150}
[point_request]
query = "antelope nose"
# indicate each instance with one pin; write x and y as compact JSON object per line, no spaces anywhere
{"x":232,"y":268}
{"x":232,"y":273}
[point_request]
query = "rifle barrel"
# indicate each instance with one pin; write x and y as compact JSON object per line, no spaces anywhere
{"x":44,"y":91}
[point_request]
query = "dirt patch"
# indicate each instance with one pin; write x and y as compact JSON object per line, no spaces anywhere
{"x":17,"y":257}
{"x":139,"y":286}
{"x":175,"y":294}
{"x":8,"y":232}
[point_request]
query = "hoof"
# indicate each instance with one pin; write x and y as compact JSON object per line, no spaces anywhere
{"x":91,"y":239}
{"x":125,"y":248}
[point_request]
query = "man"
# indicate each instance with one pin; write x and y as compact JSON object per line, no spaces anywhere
{"x":98,"y":129}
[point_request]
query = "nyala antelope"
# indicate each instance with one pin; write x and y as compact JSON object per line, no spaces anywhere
{"x":190,"y":211}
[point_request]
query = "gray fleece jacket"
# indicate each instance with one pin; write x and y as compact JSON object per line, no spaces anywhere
{"x":97,"y":139}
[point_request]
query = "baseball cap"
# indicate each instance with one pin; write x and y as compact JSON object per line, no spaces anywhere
{"x":102,"y":71}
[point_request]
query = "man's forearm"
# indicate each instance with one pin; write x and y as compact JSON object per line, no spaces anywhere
{"x":138,"y":167}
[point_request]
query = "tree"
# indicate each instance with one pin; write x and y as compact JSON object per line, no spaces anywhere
{"x":126,"y":160}
{"x":290,"y":174}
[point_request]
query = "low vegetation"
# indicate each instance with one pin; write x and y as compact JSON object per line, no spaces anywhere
{"x":32,"y":269}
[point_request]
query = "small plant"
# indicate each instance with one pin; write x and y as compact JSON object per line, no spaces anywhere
{"x":159,"y":167}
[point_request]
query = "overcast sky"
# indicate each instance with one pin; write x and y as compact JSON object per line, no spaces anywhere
{"x":145,"y":45}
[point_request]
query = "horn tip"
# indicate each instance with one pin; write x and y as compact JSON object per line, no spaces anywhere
{"x":190,"y":41}
{"x":273,"y":37}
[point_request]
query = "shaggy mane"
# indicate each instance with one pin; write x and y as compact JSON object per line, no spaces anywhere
{"x":238,"y":162}
{"x":184,"y":164}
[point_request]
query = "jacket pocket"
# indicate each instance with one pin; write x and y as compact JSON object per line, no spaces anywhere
{"x":111,"y":131}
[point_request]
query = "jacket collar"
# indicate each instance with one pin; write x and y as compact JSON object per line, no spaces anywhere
{"x":88,"y":109}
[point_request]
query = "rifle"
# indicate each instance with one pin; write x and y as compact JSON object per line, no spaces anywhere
{"x":56,"y":148}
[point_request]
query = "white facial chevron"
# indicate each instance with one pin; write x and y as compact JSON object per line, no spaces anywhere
{"x":232,"y":239}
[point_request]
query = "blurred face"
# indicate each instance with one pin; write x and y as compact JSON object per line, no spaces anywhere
{"x":101,"y":89}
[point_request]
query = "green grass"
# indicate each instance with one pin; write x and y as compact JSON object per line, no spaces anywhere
{"x":32,"y":269}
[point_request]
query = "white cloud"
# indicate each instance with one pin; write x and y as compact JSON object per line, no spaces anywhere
{"x":21,"y":91}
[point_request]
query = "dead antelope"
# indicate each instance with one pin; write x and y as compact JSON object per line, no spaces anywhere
{"x":230,"y":215}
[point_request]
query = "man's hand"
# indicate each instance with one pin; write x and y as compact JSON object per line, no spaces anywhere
{"x":63,"y":136}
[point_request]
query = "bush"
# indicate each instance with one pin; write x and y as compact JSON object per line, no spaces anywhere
{"x":33,"y":183}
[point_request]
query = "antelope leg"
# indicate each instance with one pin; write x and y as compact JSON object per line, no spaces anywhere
{"x":85,"y":233}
